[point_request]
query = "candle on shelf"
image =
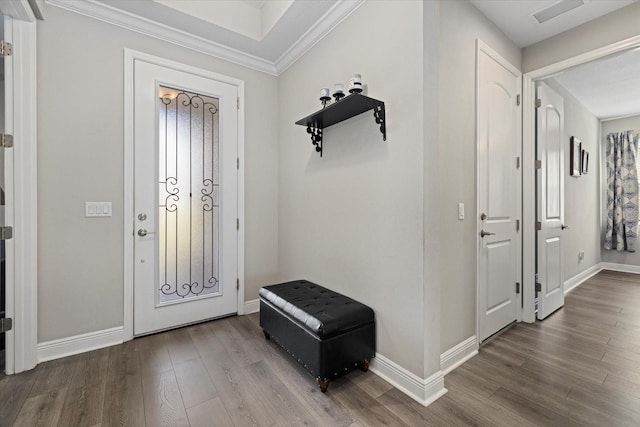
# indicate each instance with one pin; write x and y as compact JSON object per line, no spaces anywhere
{"x":338,"y":91}
{"x":324,"y":96}
{"x":355,"y":83}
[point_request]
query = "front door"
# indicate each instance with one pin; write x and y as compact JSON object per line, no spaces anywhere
{"x":186,"y":198}
{"x":498,"y":194}
{"x":550,"y":199}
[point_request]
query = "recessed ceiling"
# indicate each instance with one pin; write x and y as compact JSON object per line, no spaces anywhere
{"x":609,"y":87}
{"x":516,"y":17}
{"x":264,"y":35}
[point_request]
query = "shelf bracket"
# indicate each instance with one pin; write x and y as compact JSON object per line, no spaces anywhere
{"x":379,"y":115}
{"x":316,"y":137}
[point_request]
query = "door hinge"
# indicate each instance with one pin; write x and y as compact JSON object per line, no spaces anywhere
{"x":238,"y":284}
{"x":237,"y":223}
{"x":538,"y":226}
{"x":538,"y":164}
{"x":6,"y":233}
{"x":6,"y":324}
{"x":517,"y":288}
{"x":518,"y":100}
{"x":6,"y":140}
{"x":538,"y":103}
{"x":6,"y":48}
{"x":538,"y":284}
{"x":517,"y":225}
{"x":238,"y":163}
{"x":517,"y":162}
{"x":238,"y":102}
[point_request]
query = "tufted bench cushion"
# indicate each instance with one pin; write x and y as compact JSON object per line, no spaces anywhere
{"x":328,"y":333}
{"x":321,"y":311}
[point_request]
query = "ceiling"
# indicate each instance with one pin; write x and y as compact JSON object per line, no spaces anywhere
{"x":609,"y":87}
{"x":515,"y":17}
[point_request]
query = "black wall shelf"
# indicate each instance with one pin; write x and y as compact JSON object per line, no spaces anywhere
{"x":348,"y":107}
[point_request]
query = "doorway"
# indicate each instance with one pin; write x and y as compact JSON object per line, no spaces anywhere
{"x":556,"y":72}
{"x":185,"y":198}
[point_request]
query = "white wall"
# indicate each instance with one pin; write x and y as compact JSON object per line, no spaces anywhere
{"x":581,"y":194}
{"x":613,"y":27}
{"x":461,"y":24}
{"x":352,"y":220}
{"x":80,"y":158}
{"x":629,"y":123}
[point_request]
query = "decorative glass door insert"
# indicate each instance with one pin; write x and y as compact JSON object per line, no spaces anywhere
{"x":188,"y":196}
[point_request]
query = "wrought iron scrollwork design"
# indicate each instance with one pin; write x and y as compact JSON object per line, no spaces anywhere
{"x":379,"y":115}
{"x":195,"y":211}
{"x":316,"y":137}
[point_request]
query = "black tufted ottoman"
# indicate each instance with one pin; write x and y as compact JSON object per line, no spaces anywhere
{"x":326,"y":332}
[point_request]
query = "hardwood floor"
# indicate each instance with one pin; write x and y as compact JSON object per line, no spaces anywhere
{"x":580,"y":367}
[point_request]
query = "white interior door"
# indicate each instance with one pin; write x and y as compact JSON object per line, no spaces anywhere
{"x":550,"y":199}
{"x":499,"y":121}
{"x":186,"y":198}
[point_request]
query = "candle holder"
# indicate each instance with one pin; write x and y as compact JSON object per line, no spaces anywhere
{"x":355,"y":84}
{"x":338,"y":92}
{"x":324,"y":96}
{"x":325,"y":100}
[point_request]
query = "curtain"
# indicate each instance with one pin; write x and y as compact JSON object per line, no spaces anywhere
{"x":622,"y":191}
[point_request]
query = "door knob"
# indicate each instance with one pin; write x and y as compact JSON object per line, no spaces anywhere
{"x":562,"y":227}
{"x":143,"y":232}
{"x":486,"y":233}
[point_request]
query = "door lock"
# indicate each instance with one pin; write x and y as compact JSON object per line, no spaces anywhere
{"x":142,"y":216}
{"x":483,"y":216}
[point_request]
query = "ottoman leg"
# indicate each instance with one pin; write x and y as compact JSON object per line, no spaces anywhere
{"x":324,"y":384}
{"x":364,"y":365}
{"x":267,"y":335}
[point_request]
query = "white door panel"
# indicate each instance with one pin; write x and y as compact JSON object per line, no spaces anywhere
{"x":186,"y":198}
{"x":498,"y":178}
{"x":550,"y":199}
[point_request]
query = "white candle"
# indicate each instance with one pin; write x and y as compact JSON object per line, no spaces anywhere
{"x":324,"y":92}
{"x":337,"y":88}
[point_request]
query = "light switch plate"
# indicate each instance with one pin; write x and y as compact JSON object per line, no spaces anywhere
{"x":97,"y":209}
{"x":460,"y":211}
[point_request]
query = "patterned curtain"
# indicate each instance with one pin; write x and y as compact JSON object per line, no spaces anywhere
{"x":622,"y":191}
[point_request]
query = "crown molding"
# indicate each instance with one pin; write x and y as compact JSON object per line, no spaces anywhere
{"x":112,"y":15}
{"x":129,"y":21}
{"x":331,"y":19}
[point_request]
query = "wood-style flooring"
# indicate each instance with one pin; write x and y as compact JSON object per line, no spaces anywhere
{"x":580,"y":367}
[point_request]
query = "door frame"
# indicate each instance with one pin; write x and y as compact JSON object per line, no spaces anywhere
{"x":529,"y":158}
{"x":483,"y":47}
{"x":22,"y":197}
{"x":129,"y":224}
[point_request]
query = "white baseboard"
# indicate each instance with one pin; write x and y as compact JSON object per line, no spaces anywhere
{"x":69,"y":346}
{"x":252,"y":306}
{"x":579,"y":278}
{"x":424,"y":391}
{"x":624,"y":268}
{"x":458,"y":354}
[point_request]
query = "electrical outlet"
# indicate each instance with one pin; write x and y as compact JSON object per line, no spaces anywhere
{"x":580,"y":256}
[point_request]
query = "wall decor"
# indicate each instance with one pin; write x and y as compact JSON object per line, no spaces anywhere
{"x":576,"y":154}
{"x":584,"y":162}
{"x":349,"y":107}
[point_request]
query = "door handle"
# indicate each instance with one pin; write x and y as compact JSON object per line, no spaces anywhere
{"x":486,"y":233}
{"x":143,"y":232}
{"x":562,"y":227}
